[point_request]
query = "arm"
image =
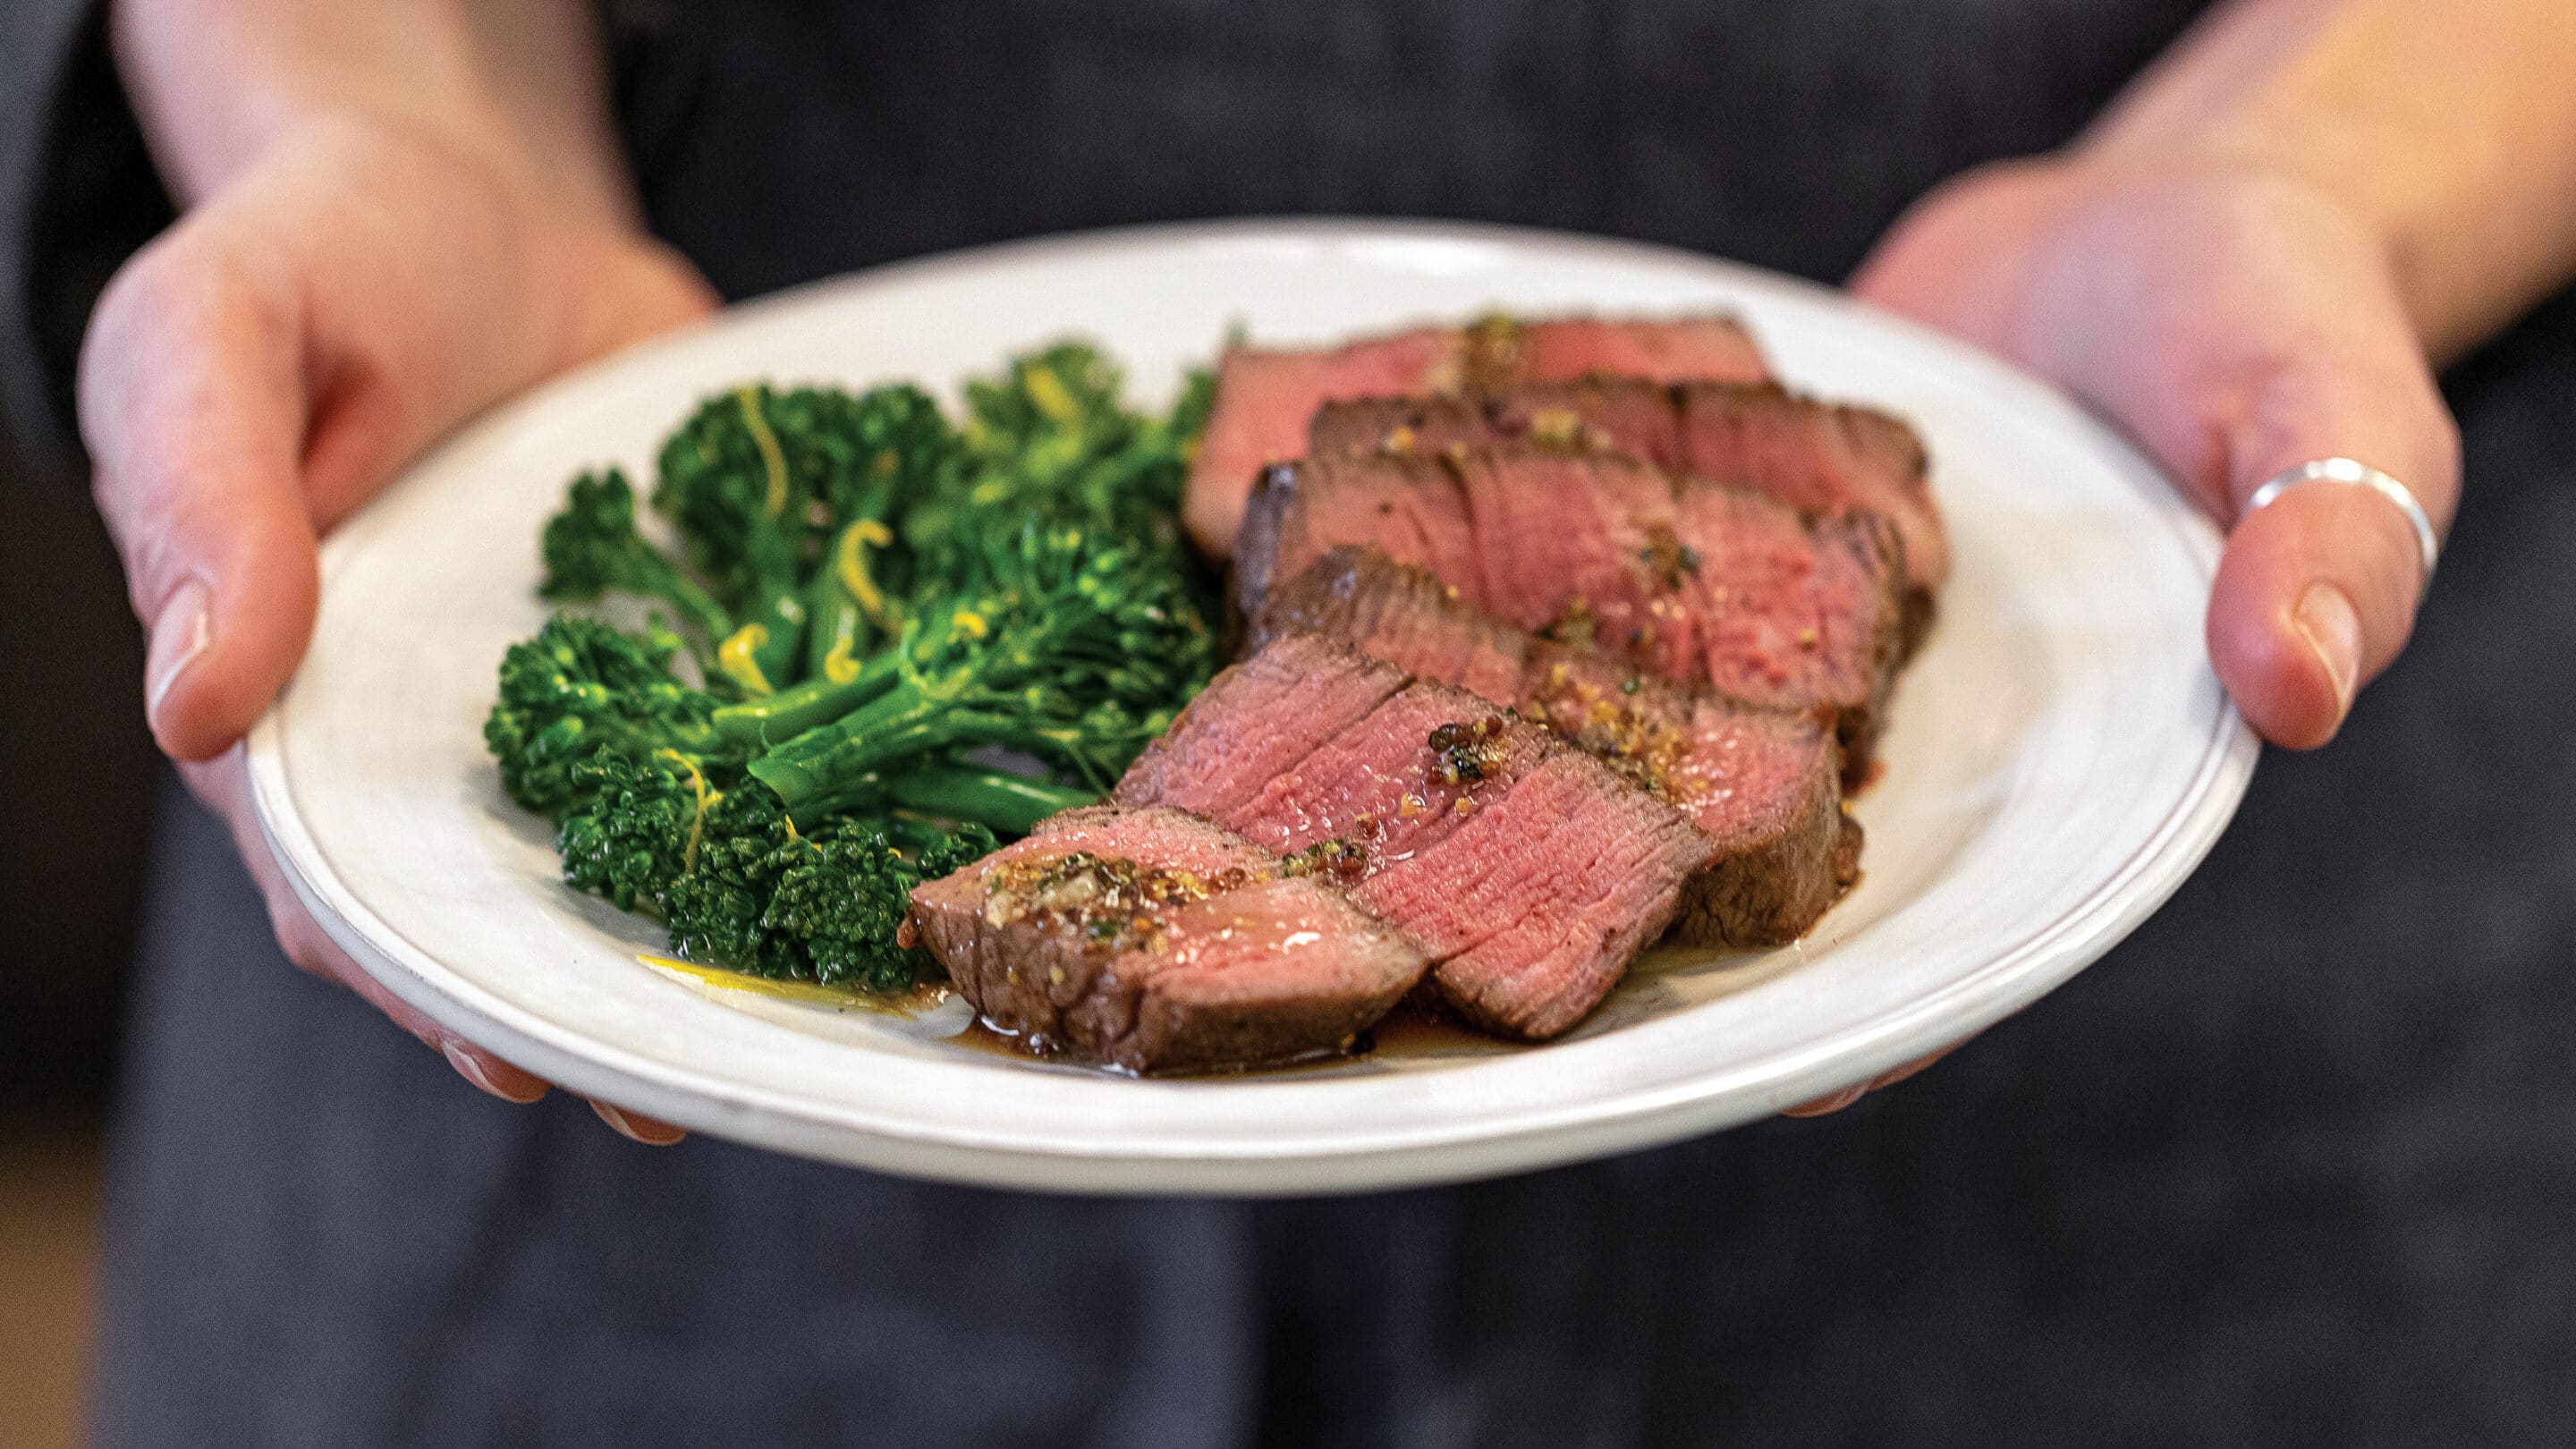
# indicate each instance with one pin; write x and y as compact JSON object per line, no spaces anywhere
{"x":394,"y":216}
{"x":2255,"y":259}
{"x":2450,"y":129}
{"x":218,"y":84}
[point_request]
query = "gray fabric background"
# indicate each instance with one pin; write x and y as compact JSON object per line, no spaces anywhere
{"x":2289,"y":1167}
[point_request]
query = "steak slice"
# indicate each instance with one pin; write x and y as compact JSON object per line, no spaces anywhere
{"x":1154,"y":941}
{"x":1689,"y":579}
{"x":1266,"y":396}
{"x":1278,"y":713}
{"x":1794,"y":610}
{"x":1584,"y":545}
{"x":1707,"y":347}
{"x":1529,"y":871}
{"x":1825,"y":458}
{"x":1632,"y":415}
{"x":1403,"y":615}
{"x":1412,"y":507}
{"x":1763,"y":784}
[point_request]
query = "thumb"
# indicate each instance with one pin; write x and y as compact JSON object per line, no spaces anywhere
{"x":192,"y":405}
{"x":2247,"y":333}
{"x":2316,"y":592}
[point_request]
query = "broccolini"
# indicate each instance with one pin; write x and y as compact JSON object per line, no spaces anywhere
{"x":873,"y":598}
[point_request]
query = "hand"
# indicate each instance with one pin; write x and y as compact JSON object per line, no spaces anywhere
{"x":264,"y":368}
{"x":2237,"y":324}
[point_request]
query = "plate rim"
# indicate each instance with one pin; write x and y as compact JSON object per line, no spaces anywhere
{"x":687,"y":1094}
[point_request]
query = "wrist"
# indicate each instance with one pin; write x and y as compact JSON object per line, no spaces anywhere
{"x":2412,"y":179}
{"x":515,"y":90}
{"x":2264,"y":182}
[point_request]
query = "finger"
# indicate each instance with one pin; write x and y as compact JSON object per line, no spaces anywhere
{"x":1829,"y":1103}
{"x":636,"y":1126}
{"x":2268,"y":333}
{"x":1914,"y":1068}
{"x":491,"y":1074}
{"x":191,"y":404}
{"x":1836,"y":1101}
{"x":2317,"y":592}
{"x":245,"y":384}
{"x":223,"y":784}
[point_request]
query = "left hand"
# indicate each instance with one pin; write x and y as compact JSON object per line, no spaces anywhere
{"x":2237,"y":324}
{"x":264,"y":367}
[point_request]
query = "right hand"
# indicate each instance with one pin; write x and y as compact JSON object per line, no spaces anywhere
{"x":264,"y":367}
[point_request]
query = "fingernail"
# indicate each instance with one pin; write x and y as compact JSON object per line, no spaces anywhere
{"x":181,"y":632}
{"x":2333,"y":628}
{"x":628,"y":1127}
{"x":471,"y":1068}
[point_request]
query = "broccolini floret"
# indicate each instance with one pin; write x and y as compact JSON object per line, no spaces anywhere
{"x":637,"y":827}
{"x":580,"y":686}
{"x":842,"y":899}
{"x":744,"y":495}
{"x":591,"y":547}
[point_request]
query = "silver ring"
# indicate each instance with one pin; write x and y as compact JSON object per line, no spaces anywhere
{"x":2345,"y":470}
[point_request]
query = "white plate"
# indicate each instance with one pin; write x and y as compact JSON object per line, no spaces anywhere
{"x":2061,"y":756}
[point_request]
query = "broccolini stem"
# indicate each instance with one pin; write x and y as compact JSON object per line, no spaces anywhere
{"x":836,"y":633}
{"x":914,"y":719}
{"x":817,"y":701}
{"x":1008,"y":804}
{"x":779,"y":643}
{"x":697,"y":605}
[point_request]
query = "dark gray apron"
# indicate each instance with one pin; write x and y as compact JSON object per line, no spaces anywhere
{"x":2291,"y":1167}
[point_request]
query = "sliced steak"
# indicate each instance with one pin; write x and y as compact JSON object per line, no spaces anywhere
{"x":1794,"y":610}
{"x":1764,"y":784}
{"x":1266,"y":396}
{"x":1825,"y":457}
{"x":1154,"y":941}
{"x":1411,"y":506}
{"x":1583,"y":545}
{"x":1632,"y":415}
{"x":1530,"y":871}
{"x":1689,"y":579}
{"x":1704,"y":348}
{"x":1822,"y":457}
{"x":1401,"y":614}
{"x":1277,"y":714}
